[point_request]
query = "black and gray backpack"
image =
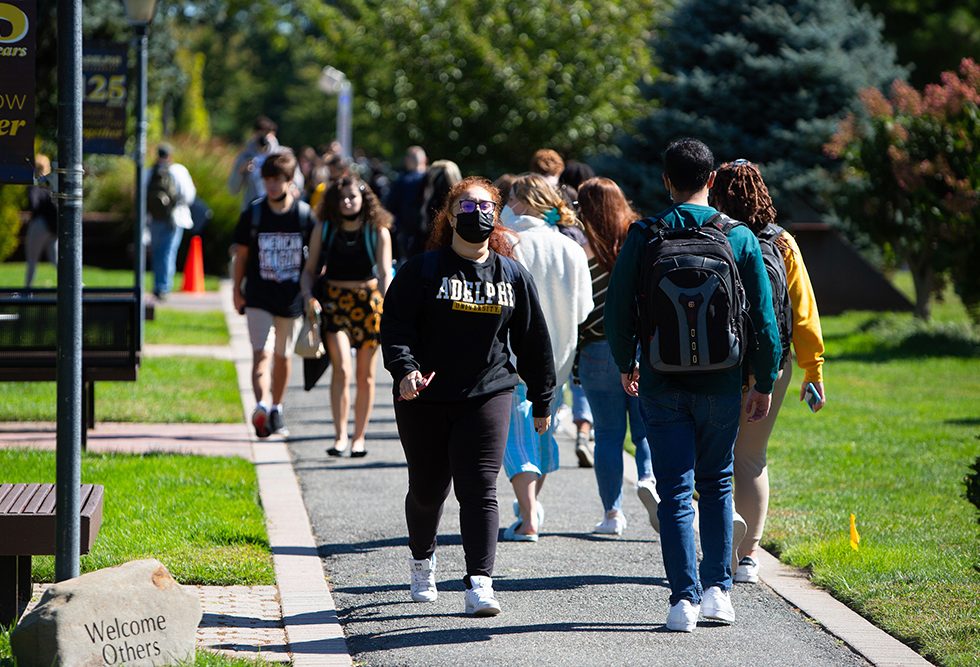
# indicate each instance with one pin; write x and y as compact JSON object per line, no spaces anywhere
{"x":776,"y":269}
{"x":691,"y":303}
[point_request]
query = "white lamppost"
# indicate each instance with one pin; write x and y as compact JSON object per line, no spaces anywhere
{"x":334,"y":82}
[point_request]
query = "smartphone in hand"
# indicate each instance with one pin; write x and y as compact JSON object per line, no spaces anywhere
{"x":812,"y":397}
{"x":426,"y":379}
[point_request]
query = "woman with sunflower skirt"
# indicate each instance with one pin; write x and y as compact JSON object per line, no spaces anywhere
{"x":347,"y":273}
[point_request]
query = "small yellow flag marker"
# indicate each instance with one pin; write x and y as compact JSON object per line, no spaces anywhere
{"x":855,"y":538}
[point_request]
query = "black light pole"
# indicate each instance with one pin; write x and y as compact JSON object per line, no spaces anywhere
{"x":140,"y":13}
{"x":69,"y":360}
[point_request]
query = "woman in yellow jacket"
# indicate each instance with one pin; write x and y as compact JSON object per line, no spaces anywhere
{"x":740,"y":193}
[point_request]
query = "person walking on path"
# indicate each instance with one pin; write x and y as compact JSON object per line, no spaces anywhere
{"x":270,"y":247}
{"x":740,"y":192}
{"x":170,"y":192}
{"x":607,"y":215}
{"x":246,"y":173}
{"x":42,"y":230}
{"x":347,"y":273}
{"x":403,"y":202}
{"x":561,"y":274}
{"x":455,"y":319}
{"x":692,"y":410}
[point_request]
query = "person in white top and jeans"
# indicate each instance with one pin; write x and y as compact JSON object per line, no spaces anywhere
{"x":560,"y":270}
{"x":167,"y":230}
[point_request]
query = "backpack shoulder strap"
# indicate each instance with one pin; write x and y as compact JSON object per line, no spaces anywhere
{"x":510,"y":268}
{"x":430,"y":264}
{"x":722,"y":223}
{"x":326,"y":234}
{"x":256,"y":208}
{"x":650,"y":226}
{"x":305,"y":213}
{"x":370,"y":240}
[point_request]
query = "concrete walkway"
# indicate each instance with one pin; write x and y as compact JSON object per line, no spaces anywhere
{"x":571,"y":599}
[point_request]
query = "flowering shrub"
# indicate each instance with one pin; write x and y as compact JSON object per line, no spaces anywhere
{"x":911,"y":180}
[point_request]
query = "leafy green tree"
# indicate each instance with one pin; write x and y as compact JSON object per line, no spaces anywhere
{"x":486,"y":82}
{"x":930,"y":36}
{"x":12,"y":200}
{"x":911,"y":182}
{"x":765,"y":80}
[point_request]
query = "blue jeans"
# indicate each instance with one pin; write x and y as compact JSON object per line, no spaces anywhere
{"x":164,"y":242}
{"x":610,"y":407}
{"x":693,"y":438}
{"x":581,"y":410}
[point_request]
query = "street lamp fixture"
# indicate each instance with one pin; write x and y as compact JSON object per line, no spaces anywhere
{"x":334,"y":82}
{"x":140,"y":13}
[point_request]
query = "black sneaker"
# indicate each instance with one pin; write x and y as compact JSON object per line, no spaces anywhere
{"x":277,"y":425}
{"x":260,"y":420}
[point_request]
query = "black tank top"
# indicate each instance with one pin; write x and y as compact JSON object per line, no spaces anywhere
{"x":347,"y":257}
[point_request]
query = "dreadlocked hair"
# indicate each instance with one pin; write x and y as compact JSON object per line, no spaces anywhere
{"x":740,"y":192}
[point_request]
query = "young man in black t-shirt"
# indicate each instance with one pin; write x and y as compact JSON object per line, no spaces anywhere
{"x":271,"y":240}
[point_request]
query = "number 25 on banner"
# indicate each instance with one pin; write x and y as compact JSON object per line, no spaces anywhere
{"x":16,"y":19}
{"x":105,"y":89}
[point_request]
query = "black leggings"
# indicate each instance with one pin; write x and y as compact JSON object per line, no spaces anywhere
{"x":460,"y":444}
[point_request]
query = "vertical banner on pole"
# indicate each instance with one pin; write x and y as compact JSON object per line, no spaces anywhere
{"x":18,"y":50}
{"x":104,"y":70}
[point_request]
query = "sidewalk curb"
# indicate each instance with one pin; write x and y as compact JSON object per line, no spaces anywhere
{"x":793,"y":585}
{"x":313,"y":631}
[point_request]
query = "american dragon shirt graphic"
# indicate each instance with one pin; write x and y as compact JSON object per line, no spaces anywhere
{"x":280,"y":256}
{"x":476,"y":296}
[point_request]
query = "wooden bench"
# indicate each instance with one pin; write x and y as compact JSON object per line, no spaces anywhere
{"x":28,"y":526}
{"x":29,"y":338}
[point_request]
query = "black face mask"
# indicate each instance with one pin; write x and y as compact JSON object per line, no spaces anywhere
{"x":281,"y":197}
{"x":474,"y":227}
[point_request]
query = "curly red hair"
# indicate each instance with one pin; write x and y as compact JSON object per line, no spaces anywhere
{"x":442,"y":232}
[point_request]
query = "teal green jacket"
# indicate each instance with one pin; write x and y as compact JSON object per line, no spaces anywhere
{"x":620,"y":314}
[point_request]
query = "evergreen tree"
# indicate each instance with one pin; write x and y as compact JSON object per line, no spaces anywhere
{"x":765,"y":80}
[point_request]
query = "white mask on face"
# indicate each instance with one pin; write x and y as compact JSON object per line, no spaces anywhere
{"x":507,"y":216}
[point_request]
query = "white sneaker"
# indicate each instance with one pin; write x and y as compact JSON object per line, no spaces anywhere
{"x":611,"y":525}
{"x":716,"y":605}
{"x":423,"y":579}
{"x":683,"y":616}
{"x":647,"y":491}
{"x":747,"y":571}
{"x":480,"y":598}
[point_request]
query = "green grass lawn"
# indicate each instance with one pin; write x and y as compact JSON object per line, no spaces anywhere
{"x":12,"y":275}
{"x":180,"y":327}
{"x":200,"y":516}
{"x":893,"y":446}
{"x":169,"y":389}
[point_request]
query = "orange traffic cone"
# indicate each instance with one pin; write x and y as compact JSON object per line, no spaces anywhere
{"x":194,"y":267}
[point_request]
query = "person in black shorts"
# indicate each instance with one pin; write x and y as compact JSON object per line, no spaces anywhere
{"x":271,"y":239}
{"x":460,"y":315}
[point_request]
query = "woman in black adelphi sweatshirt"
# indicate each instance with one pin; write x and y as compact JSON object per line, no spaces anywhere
{"x":465,"y":311}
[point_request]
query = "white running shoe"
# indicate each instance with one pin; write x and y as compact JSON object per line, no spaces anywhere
{"x":480,"y":598}
{"x":683,"y":616}
{"x":716,"y":605}
{"x":423,"y":579}
{"x":747,"y":571}
{"x":647,"y":492}
{"x":611,"y":525}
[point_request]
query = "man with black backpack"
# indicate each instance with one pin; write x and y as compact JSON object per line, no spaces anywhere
{"x":690,"y":288}
{"x":169,"y":193}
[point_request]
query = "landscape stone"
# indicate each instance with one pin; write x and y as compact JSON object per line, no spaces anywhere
{"x":135,"y":614}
